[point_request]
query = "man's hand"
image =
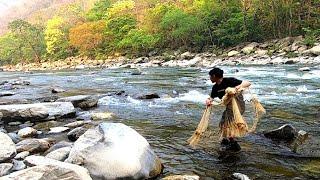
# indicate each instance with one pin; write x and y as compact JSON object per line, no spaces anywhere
{"x":209,"y":101}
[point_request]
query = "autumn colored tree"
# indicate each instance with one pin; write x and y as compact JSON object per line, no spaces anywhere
{"x":56,"y":37}
{"x":87,"y":36}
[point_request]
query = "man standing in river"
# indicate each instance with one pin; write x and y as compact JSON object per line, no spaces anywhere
{"x":227,"y":124}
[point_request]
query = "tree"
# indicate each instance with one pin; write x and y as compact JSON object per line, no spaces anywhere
{"x":87,"y":36}
{"x":56,"y":38}
{"x":99,"y":11}
{"x":138,"y":41}
{"x":30,"y":39}
{"x":180,"y":28}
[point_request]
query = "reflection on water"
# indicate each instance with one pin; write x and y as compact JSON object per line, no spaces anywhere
{"x":289,"y":96}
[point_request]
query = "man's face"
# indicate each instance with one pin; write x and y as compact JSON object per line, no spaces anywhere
{"x":213,"y":79}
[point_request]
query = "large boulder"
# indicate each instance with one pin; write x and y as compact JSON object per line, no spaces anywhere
{"x":286,"y":132}
{"x":114,"y":150}
{"x":50,"y":170}
{"x":5,"y":168}
{"x":37,"y":112}
{"x":7,"y":147}
{"x":76,"y":133}
{"x":81,"y":101}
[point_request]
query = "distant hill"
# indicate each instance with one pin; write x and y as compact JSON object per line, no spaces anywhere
{"x":33,"y":11}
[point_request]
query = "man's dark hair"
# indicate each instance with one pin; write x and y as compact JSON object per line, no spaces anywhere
{"x":217,"y":72}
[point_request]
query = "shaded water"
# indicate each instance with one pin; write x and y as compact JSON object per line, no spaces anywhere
{"x":288,"y":95}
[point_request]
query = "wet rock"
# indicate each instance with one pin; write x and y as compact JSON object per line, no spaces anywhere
{"x":7,"y":147}
{"x":51,"y":170}
{"x":33,"y":145}
{"x":286,"y":132}
{"x":101,"y":116}
{"x":27,"y":132}
{"x":100,"y":149}
{"x":48,"y":99}
{"x":22,"y":155}
{"x":37,"y":112}
{"x":57,"y":90}
{"x":14,"y":137}
{"x":290,"y":62}
{"x":26,"y":124}
{"x":18,"y":165}
{"x":59,"y":145}
{"x":76,"y":133}
{"x":304,"y":69}
{"x":81,"y":101}
{"x":240,"y":176}
{"x":46,"y":125}
{"x":6,"y":93}
{"x":182,"y":177}
{"x":15,"y":123}
{"x":136,"y":73}
{"x":75,"y":124}
{"x":56,"y":130}
{"x":60,"y":154}
{"x":5,"y":168}
{"x":149,"y":96}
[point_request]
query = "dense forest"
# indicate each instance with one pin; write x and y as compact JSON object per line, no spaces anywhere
{"x":137,"y":27}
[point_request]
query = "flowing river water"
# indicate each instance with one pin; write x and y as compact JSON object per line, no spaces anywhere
{"x":289,"y":96}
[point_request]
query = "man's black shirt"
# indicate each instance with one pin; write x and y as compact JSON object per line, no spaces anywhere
{"x":219,"y":90}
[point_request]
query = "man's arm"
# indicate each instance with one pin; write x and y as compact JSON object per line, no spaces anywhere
{"x":244,"y":84}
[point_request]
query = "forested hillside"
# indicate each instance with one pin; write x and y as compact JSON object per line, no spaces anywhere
{"x":136,"y":27}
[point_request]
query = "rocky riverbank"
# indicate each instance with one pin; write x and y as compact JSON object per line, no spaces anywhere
{"x":290,"y":50}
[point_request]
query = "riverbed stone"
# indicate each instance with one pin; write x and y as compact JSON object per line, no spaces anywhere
{"x":57,"y":90}
{"x":233,"y":53}
{"x":27,"y":132}
{"x":7,"y":148}
{"x":50,"y":172}
{"x":101,"y":116}
{"x":75,"y":124}
{"x":6,"y":93}
{"x":187,"y":55}
{"x":33,"y":145}
{"x":37,"y":112}
{"x":74,"y":134}
{"x":40,"y":160}
{"x":182,"y":177}
{"x":22,"y":155}
{"x":59,"y":145}
{"x":5,"y":168}
{"x":81,"y":101}
{"x":14,"y":137}
{"x":60,"y":154}
{"x":55,"y":130}
{"x":114,"y":150}
{"x":286,"y":132}
{"x":149,"y":96}
{"x":18,"y":165}
{"x":315,"y":50}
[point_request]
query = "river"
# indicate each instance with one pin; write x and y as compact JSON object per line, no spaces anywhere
{"x":289,"y":96}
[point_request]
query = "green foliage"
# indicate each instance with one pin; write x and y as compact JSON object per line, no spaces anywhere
{"x":138,"y":41}
{"x":99,"y":11}
{"x":310,"y":36}
{"x":180,"y":28}
{"x":29,"y":40}
{"x":56,"y":38}
{"x":9,"y":49}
